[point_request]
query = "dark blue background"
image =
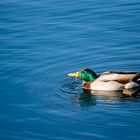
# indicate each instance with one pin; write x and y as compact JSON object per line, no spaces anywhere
{"x":40,"y":42}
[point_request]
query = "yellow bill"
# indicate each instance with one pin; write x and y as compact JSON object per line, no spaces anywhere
{"x":76,"y":74}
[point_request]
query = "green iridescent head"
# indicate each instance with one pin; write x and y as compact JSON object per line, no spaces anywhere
{"x":86,"y":75}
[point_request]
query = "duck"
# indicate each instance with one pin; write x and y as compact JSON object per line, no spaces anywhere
{"x":107,"y":81}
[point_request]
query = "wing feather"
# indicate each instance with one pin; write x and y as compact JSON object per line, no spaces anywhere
{"x":121,"y":77}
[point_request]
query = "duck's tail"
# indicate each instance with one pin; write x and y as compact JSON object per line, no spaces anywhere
{"x":136,"y":79}
{"x":135,"y":82}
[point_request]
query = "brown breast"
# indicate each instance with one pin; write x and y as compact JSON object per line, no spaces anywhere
{"x":86,"y":85}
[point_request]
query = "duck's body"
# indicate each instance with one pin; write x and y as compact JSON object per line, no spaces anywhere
{"x":112,"y":81}
{"x":108,"y":80}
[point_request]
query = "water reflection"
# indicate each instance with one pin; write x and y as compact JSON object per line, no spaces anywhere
{"x":86,"y":98}
{"x":115,"y":96}
{"x":90,"y":98}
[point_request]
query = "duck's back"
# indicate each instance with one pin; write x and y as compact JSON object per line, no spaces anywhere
{"x":121,"y":72}
{"x":121,"y":77}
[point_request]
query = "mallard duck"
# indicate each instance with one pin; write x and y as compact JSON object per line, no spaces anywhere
{"x":108,"y":81}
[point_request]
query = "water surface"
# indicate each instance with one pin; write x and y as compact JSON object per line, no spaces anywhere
{"x":42,"y":41}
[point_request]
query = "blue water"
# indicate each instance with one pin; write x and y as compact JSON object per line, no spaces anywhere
{"x":42,"y":41}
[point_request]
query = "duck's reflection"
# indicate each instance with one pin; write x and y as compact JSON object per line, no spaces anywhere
{"x":89,"y":98}
{"x":84,"y":99}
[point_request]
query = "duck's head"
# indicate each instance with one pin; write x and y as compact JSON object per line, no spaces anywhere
{"x":86,"y":75}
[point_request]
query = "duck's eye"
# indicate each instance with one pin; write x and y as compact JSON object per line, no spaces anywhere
{"x":84,"y":75}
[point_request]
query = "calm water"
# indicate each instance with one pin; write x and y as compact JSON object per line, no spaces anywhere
{"x":42,"y":41}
